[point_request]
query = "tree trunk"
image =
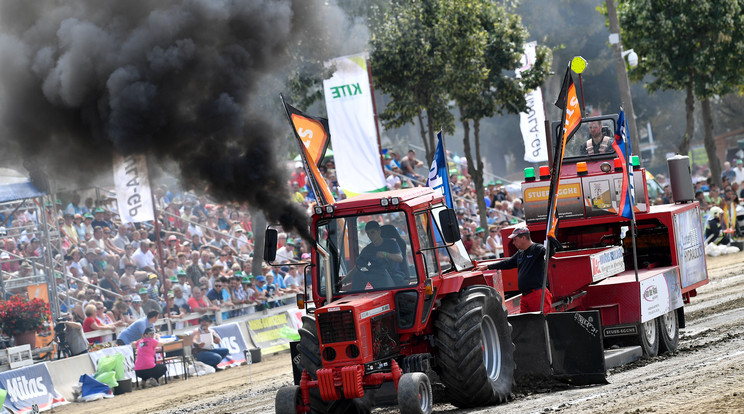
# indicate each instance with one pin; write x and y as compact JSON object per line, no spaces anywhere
{"x":684,"y":146}
{"x":258,"y":224}
{"x":424,"y":138}
{"x":432,"y":146}
{"x":710,"y":144}
{"x":477,"y":175}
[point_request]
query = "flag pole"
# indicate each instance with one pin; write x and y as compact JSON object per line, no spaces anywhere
{"x":631,"y":191}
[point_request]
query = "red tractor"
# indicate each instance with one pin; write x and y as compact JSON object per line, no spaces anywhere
{"x":399,"y":304}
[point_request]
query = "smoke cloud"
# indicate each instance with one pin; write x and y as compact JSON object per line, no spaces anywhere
{"x":183,"y":81}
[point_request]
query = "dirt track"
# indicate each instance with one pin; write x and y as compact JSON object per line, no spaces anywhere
{"x":705,"y":375}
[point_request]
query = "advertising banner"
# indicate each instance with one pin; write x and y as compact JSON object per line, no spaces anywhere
{"x":607,"y":263}
{"x":29,"y":389}
{"x":232,"y":339}
{"x":660,"y":294}
{"x":569,"y":202}
{"x":133,"y":193}
{"x":266,"y":332}
{"x":532,"y":122}
{"x":690,"y":247}
{"x":351,"y":120}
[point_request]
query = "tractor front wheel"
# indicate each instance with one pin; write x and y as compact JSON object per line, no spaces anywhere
{"x":648,"y":338}
{"x":414,"y":394}
{"x":668,"y":332}
{"x":287,"y":399}
{"x":475,"y":349}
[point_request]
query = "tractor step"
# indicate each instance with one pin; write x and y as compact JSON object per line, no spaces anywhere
{"x":621,"y":356}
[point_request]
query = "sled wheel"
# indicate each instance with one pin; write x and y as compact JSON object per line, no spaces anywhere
{"x":414,"y":394}
{"x":668,"y":332}
{"x":475,"y":349}
{"x":648,"y":338}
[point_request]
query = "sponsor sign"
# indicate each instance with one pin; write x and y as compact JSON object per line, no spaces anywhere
{"x":536,"y":199}
{"x":231,"y":338}
{"x":29,"y":389}
{"x":266,"y":332}
{"x":660,"y":295}
{"x":607,"y":263}
{"x":532,"y":122}
{"x":621,"y":330}
{"x":133,"y":193}
{"x":375,"y":311}
{"x":690,"y":247}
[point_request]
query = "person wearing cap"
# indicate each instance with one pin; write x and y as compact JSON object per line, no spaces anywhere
{"x":98,"y":220}
{"x":714,"y":227}
{"x":379,"y":263}
{"x":183,"y":283}
{"x":286,"y":253}
{"x":530,"y":264}
{"x":206,"y":342}
{"x":144,"y":363}
{"x":136,"y":307}
{"x":153,"y":286}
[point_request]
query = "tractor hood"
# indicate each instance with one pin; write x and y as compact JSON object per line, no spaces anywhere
{"x":358,"y":329}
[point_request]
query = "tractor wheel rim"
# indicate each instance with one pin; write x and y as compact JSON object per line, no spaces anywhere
{"x":650,"y":330}
{"x":669,"y":324}
{"x":491,"y":348}
{"x":424,"y":400}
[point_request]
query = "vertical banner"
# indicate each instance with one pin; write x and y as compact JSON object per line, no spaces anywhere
{"x":133,"y":193}
{"x":438,"y":178}
{"x":532,"y":122}
{"x":29,"y":389}
{"x":352,"y":123}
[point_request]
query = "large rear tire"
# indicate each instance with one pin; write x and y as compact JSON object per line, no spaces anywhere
{"x":648,"y":338}
{"x":668,"y":332}
{"x":414,"y":394}
{"x":287,"y":399}
{"x":475,"y":349}
{"x":309,"y":349}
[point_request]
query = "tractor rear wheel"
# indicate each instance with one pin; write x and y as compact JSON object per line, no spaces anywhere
{"x":414,"y":394}
{"x":648,"y":338}
{"x":475,"y":349}
{"x":287,"y":399}
{"x":309,"y":349}
{"x":668,"y":332}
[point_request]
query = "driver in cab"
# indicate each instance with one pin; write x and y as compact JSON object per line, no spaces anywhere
{"x":378,"y":265}
{"x":597,"y":143}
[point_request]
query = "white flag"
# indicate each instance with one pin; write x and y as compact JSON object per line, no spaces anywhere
{"x":532,"y":122}
{"x":133,"y":193}
{"x":351,"y":120}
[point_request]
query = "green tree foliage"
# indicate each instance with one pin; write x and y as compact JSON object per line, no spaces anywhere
{"x":428,"y":53}
{"x":696,"y":46}
{"x":407,"y":65}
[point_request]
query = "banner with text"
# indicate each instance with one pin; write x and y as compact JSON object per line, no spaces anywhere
{"x":351,"y":119}
{"x":29,"y":389}
{"x":133,"y":189}
{"x":231,"y":339}
{"x":266,"y":332}
{"x":532,"y":122}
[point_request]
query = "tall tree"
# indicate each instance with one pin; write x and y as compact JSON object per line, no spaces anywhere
{"x":692,"y":45}
{"x":407,"y":65}
{"x":483,"y":46}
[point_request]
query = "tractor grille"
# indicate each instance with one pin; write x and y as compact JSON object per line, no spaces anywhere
{"x":384,"y":336}
{"x":336,"y":327}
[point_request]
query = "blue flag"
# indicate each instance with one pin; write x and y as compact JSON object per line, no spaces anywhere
{"x":620,"y":144}
{"x":438,"y":179}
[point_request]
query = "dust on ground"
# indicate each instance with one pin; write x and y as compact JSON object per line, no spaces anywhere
{"x":704,"y":375}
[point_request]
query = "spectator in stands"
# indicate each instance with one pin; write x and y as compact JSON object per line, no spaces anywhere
{"x":143,"y":258}
{"x":286,"y":253}
{"x":136,"y":308}
{"x":409,"y":164}
{"x":120,"y":311}
{"x":517,"y":209}
{"x":91,"y":324}
{"x":144,"y":364}
{"x":205,"y":341}
{"x":199,"y":303}
{"x":183,"y":283}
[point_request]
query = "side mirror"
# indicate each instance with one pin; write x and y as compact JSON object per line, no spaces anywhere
{"x":270,"y":239}
{"x":450,"y":229}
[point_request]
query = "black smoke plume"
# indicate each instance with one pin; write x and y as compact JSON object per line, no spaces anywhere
{"x":181,"y":81}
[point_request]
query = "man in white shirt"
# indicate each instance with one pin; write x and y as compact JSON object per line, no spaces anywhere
{"x":143,"y":257}
{"x":739,"y":170}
